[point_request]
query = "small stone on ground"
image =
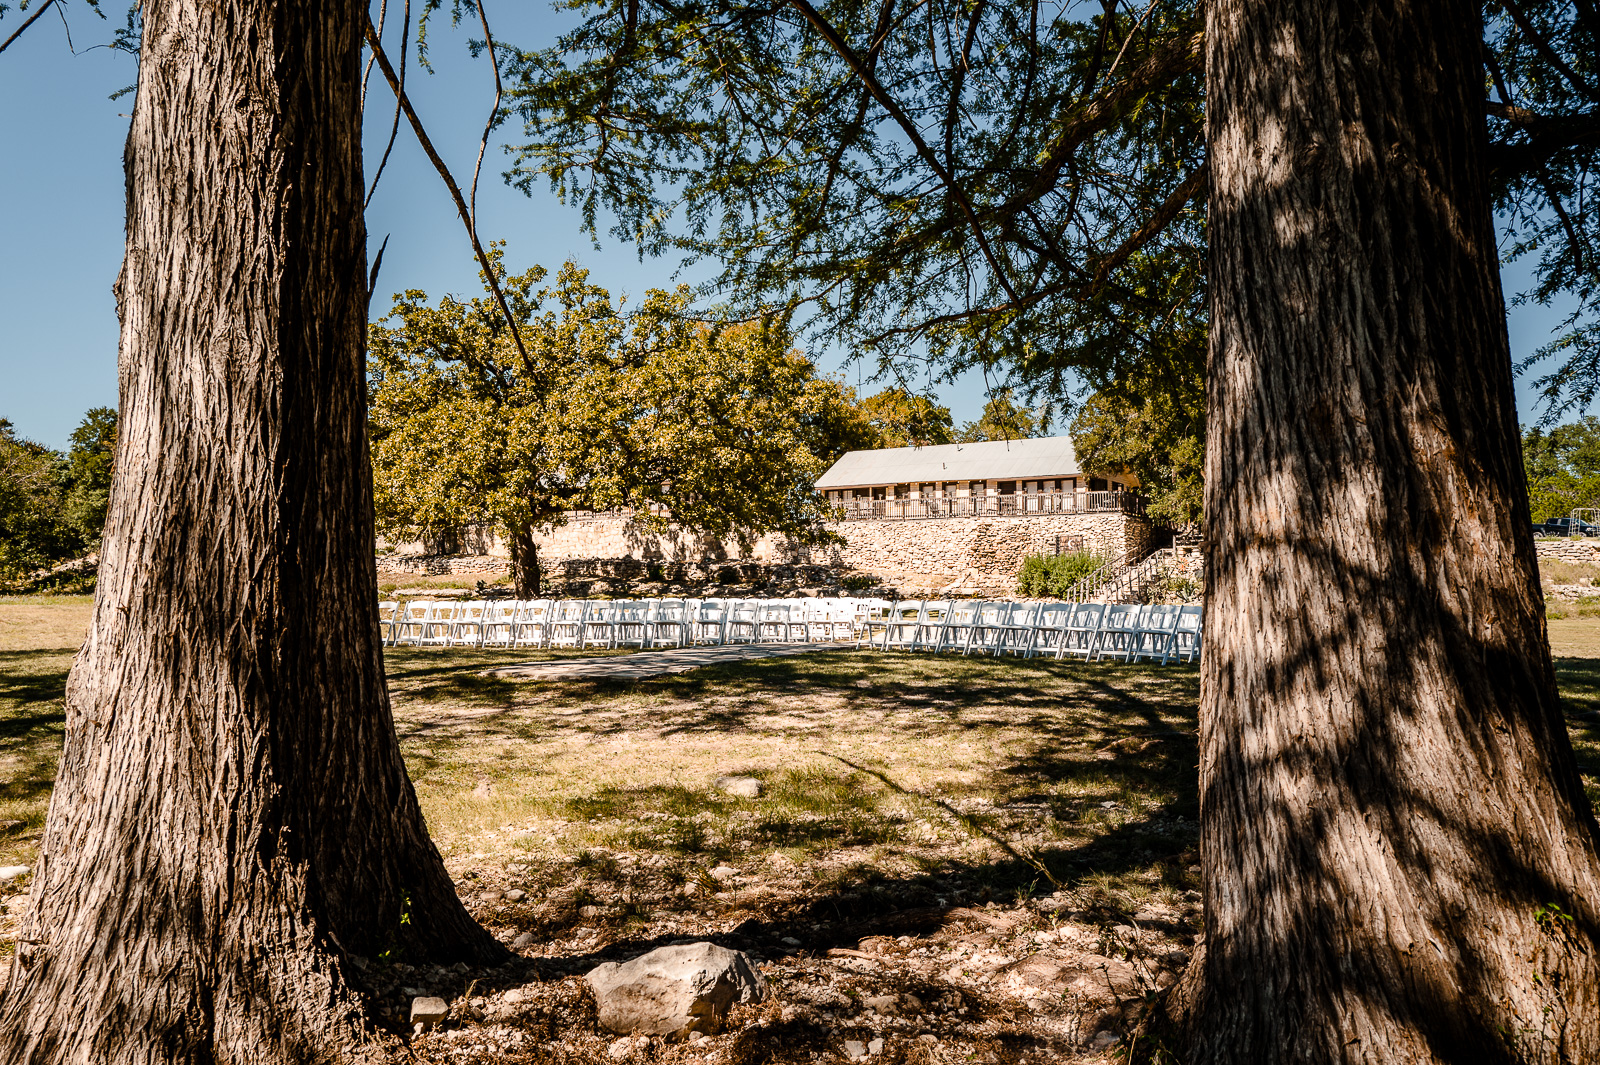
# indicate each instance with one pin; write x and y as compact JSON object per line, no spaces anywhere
{"x":675,"y":990}
{"x":740,"y":787}
{"x":428,"y":1011}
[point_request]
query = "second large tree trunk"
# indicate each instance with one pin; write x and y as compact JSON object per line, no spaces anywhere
{"x":1389,"y":799}
{"x":525,"y":563}
{"x":232,"y":829}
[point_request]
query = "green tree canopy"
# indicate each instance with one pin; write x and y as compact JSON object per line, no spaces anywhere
{"x":718,"y":431}
{"x":899,"y":418}
{"x":1004,"y":418}
{"x":86,"y":480}
{"x":53,"y":506}
{"x":991,"y":182}
{"x":1158,"y":436}
{"x":32,"y":533}
{"x":1563,"y":467}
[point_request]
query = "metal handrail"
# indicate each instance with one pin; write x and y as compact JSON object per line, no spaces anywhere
{"x":1083,"y":591}
{"x":1021,"y":505}
{"x":1116,"y":572}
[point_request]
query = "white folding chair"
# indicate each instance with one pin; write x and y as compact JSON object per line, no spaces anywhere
{"x":905,"y":621}
{"x":1154,"y":639}
{"x":872,"y":617}
{"x":841,"y":620}
{"x":1050,"y":629}
{"x":1017,"y":629}
{"x":566,"y":623}
{"x":819,"y":618}
{"x":772,"y":621}
{"x":801,"y":612}
{"x":408,"y":629}
{"x":988,"y":628}
{"x":599,"y":625}
{"x":466,"y":627}
{"x":1082,"y":637}
{"x":665,"y":626}
{"x":1118,"y":629}
{"x":532,"y":625}
{"x":710,"y":624}
{"x":956,"y":632}
{"x":1186,"y":633}
{"x":388,"y":618}
{"x":439,"y":623}
{"x":499,"y":622}
{"x":930,"y":626}
{"x":630,"y":627}
{"x":744,"y":622}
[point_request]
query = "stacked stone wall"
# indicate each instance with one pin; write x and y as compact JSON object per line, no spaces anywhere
{"x":1582,"y":552}
{"x":973,"y":555}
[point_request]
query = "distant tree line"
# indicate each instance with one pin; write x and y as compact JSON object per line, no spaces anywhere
{"x":53,"y":504}
{"x":1563,"y":467}
{"x":724,"y":427}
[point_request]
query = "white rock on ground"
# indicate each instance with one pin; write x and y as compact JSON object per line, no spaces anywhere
{"x":740,"y":787}
{"x":428,"y":1011}
{"x":675,"y":990}
{"x":9,"y":873}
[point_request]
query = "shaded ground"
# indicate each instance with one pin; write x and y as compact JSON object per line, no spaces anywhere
{"x":968,"y":859}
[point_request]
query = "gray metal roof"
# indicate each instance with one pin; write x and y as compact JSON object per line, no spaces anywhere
{"x":992,"y":460}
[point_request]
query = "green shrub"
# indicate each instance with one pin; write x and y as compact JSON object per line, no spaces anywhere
{"x":1034,"y":577}
{"x":1046,"y":575}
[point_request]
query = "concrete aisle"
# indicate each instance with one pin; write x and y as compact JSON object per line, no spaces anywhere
{"x":653,"y":663}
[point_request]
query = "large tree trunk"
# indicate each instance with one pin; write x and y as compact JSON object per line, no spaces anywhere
{"x":1388,"y":792}
{"x":232,"y":825}
{"x":525,"y":563}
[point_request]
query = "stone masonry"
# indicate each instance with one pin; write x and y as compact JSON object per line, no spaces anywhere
{"x":978,"y":553}
{"x":1582,"y":552}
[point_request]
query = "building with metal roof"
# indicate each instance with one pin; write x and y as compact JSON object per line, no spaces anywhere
{"x":992,"y":477}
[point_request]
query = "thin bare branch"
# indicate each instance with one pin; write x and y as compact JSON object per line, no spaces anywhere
{"x":366,"y":73}
{"x":490,"y":277}
{"x":909,"y":128}
{"x":400,"y":92}
{"x":494,"y":112}
{"x":1137,"y":26}
{"x":23,"y":28}
{"x":1545,"y":49}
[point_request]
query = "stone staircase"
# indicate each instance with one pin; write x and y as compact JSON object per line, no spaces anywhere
{"x":1122,"y":582}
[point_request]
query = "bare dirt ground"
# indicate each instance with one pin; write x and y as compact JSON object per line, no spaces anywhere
{"x":950,"y":859}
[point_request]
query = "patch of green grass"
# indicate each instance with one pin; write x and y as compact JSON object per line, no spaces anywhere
{"x":995,"y":776}
{"x":32,"y":723}
{"x":422,"y":583}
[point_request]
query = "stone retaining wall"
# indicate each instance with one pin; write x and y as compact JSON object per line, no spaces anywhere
{"x":1583,"y":552}
{"x":972,"y":555}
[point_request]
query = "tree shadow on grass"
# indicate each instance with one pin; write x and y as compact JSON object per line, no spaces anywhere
{"x":31,"y":677}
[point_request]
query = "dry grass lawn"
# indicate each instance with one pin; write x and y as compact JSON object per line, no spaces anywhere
{"x":969,"y":859}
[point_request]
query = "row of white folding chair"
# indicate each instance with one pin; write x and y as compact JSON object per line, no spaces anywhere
{"x":1084,"y":630}
{"x":442,"y":623}
{"x":1158,"y":632}
{"x":586,"y":623}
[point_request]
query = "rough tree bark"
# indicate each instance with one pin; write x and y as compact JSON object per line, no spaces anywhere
{"x":232,"y":829}
{"x":525,"y":563}
{"x":1388,"y":793}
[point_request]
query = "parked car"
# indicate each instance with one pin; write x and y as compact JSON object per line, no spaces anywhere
{"x":1566,"y":527}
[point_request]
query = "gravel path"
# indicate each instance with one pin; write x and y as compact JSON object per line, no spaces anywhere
{"x":653,"y":663}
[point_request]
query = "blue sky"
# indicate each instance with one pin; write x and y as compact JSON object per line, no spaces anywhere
{"x":61,"y":224}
